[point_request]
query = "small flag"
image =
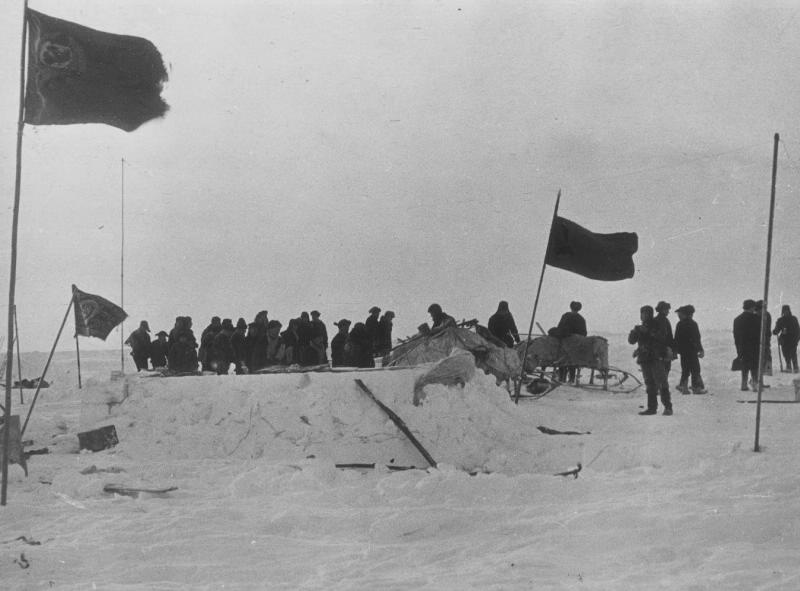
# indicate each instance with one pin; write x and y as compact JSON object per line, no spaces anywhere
{"x":95,"y":316}
{"x":605,"y":257}
{"x":80,"y":75}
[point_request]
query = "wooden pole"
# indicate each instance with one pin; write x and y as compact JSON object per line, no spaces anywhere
{"x":19,"y":357}
{"x":518,"y":385}
{"x":46,"y":366}
{"x":12,"y":271}
{"x":764,"y":310}
{"x":78,"y":355}
{"x":122,"y":267}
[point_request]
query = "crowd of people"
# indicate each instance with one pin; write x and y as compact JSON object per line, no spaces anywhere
{"x":262,"y":343}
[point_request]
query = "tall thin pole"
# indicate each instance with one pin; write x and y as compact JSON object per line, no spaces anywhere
{"x":19,"y":357}
{"x":764,"y":310}
{"x":78,"y":354}
{"x":518,"y":385}
{"x":12,"y":272}
{"x":122,"y":266}
{"x":47,"y":365}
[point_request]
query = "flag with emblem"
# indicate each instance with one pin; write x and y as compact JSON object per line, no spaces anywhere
{"x":81,"y":75}
{"x":95,"y":316}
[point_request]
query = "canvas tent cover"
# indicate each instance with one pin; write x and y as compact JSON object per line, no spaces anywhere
{"x":547,"y":351}
{"x":500,"y":361}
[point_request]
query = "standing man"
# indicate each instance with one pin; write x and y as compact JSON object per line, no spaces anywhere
{"x":746,"y":337}
{"x":662,"y":313}
{"x":139,"y":341}
{"x":502,"y":325}
{"x":371,"y":325}
{"x":158,"y":350}
{"x":788,"y":331}
{"x":338,"y":355}
{"x":385,"y":325}
{"x":571,"y":323}
{"x":690,"y":348}
{"x":651,"y":353}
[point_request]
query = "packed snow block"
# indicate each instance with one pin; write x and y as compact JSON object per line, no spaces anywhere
{"x":455,"y":370}
{"x":98,"y":439}
{"x":15,"y":452}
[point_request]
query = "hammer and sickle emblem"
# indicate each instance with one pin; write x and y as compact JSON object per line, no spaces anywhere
{"x":89,"y":309}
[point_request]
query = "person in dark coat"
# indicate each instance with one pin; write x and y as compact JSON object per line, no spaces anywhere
{"x":302,"y":353}
{"x":257,"y":342}
{"x":159,"y":350}
{"x":290,"y":342}
{"x":662,"y":317}
{"x":571,"y":323}
{"x":318,"y":328}
{"x":358,"y":348}
{"x":690,"y":348}
{"x":501,"y":325}
{"x":239,"y":344}
{"x":206,"y":342}
{"x":746,"y":337}
{"x":139,"y":341}
{"x":384,"y":340}
{"x":440,"y":319}
{"x":182,"y":356}
{"x":338,"y":355}
{"x":371,"y":324}
{"x":788,"y":331}
{"x":220,"y":353}
{"x":652,"y":350}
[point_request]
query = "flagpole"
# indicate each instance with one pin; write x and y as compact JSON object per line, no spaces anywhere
{"x":122,"y":266}
{"x":765,"y":308}
{"x":78,"y":353}
{"x":47,"y":365}
{"x":12,"y":272}
{"x":518,"y":385}
{"x":19,"y":357}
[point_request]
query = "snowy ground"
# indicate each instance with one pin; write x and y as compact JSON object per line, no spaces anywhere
{"x":679,"y":502}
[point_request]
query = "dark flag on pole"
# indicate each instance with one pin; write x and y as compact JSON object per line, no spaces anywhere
{"x":95,"y":316}
{"x":605,"y":257}
{"x":80,"y":75}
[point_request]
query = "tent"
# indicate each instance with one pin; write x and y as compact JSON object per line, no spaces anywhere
{"x":493,"y":358}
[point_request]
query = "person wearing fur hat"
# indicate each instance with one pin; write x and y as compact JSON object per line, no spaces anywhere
{"x":221,"y":353}
{"x":239,"y":344}
{"x":746,"y":337}
{"x":571,"y":323}
{"x":651,"y":352}
{"x":384,"y":340}
{"x":158,"y":350}
{"x":690,"y":348}
{"x":788,"y":331}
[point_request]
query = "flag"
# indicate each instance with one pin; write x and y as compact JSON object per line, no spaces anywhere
{"x":606,"y":257}
{"x":95,"y":316}
{"x":80,"y":75}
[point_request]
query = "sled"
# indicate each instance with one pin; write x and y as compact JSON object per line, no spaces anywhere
{"x":134,"y":491}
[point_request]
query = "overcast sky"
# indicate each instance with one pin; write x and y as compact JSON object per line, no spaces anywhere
{"x":340,"y":155}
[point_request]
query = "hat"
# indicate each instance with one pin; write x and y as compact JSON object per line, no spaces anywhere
{"x":162,"y":332}
{"x":662,"y":306}
{"x":274,"y":324}
{"x":688,"y":309}
{"x":747,"y":304}
{"x":315,"y":312}
{"x":343,"y":322}
{"x":143,"y":324}
{"x":241,"y":323}
{"x":759,"y":304}
{"x":648,"y":309}
{"x":434,"y":309}
{"x":374,"y":309}
{"x":576,"y":306}
{"x":389,"y":314}
{"x":227,"y":323}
